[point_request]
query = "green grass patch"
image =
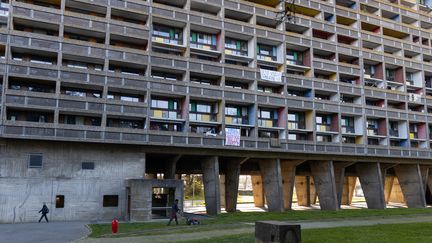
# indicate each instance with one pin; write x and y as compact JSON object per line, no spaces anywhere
{"x":127,"y":229}
{"x":385,"y":233}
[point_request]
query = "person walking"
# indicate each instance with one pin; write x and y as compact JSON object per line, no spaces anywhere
{"x":44,"y":212}
{"x":174,"y":210}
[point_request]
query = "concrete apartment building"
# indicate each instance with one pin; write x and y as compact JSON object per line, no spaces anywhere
{"x":98,"y":97}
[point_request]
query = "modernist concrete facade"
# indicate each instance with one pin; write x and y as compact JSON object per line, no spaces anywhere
{"x":99,"y":96}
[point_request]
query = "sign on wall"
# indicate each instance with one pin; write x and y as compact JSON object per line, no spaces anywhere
{"x":271,"y":75}
{"x":232,"y":136}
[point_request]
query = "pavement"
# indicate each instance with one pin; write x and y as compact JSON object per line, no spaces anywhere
{"x":52,"y":232}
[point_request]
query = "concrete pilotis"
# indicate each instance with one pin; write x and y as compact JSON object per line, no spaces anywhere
{"x":288,"y":170}
{"x":170,"y":167}
{"x":210,"y":169}
{"x":231,"y":185}
{"x":339,"y":173}
{"x":258,"y":190}
{"x":272,"y":182}
{"x":323,"y":176}
{"x":424,"y":171}
{"x":371,"y":182}
{"x":222,"y":190}
{"x":410,"y":180}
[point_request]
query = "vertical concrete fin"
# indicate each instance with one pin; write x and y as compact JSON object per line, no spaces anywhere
{"x":339,"y":173}
{"x":411,"y":183}
{"x":272,"y":181}
{"x":210,"y":168}
{"x":323,"y":176}
{"x":288,"y":170}
{"x":231,"y":185}
{"x":424,"y":170}
{"x":370,"y":177}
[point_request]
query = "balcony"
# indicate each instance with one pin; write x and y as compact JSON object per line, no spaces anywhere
{"x":201,"y":117}
{"x":234,"y":120}
{"x":165,"y":114}
{"x":267,"y":123}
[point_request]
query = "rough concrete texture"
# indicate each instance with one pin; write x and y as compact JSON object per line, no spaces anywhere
{"x":277,"y":231}
{"x":231,"y":185}
{"x":23,"y":189}
{"x":272,"y":182}
{"x":410,"y":181}
{"x":141,"y":196}
{"x":371,"y":182}
{"x":210,"y":169}
{"x":323,"y":176}
{"x":288,"y":170}
{"x":339,"y":173}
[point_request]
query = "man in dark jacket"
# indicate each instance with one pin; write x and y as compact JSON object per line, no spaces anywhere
{"x":44,"y":212}
{"x":174,"y":210}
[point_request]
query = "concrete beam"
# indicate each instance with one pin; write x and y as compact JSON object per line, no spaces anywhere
{"x":411,"y":183}
{"x":272,"y":181}
{"x":371,"y":182}
{"x":258,"y":190}
{"x":210,"y":169}
{"x":323,"y":176}
{"x":231,"y":185}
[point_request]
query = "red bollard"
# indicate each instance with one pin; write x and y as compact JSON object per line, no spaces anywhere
{"x":114,"y":226}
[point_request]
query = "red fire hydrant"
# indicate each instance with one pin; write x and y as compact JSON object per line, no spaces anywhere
{"x":114,"y":226}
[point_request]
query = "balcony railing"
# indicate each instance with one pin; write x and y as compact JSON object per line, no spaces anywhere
{"x":237,"y":52}
{"x":372,"y":132}
{"x":163,"y":39}
{"x":166,"y":114}
{"x":290,"y":61}
{"x":394,"y":133}
{"x":323,"y":128}
{"x":203,"y":46}
{"x":237,"y":120}
{"x":202,"y":117}
{"x":264,"y":57}
{"x":267,"y":123}
{"x":348,"y":130}
{"x":296,"y":125}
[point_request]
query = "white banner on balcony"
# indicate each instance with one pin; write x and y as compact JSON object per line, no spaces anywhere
{"x":414,"y":97}
{"x":271,"y":75}
{"x":232,"y":136}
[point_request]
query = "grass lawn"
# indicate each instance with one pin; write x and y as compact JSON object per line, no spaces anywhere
{"x":233,"y":220}
{"x":391,"y":233}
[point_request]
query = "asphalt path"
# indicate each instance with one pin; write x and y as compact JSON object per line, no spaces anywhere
{"x":52,"y":232}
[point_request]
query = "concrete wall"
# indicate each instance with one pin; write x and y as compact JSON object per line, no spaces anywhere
{"x":23,"y":189}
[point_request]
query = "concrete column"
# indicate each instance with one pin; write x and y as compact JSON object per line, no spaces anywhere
{"x":410,"y":180}
{"x":339,"y":173}
{"x":222,"y":190}
{"x":170,"y":167}
{"x":231,"y":185}
{"x":210,"y":168}
{"x":371,"y":182}
{"x":323,"y":176}
{"x":288,"y":170}
{"x":348,"y":190}
{"x":258,"y":190}
{"x":424,"y":170}
{"x":272,"y":182}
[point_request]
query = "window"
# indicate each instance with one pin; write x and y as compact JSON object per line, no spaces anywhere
{"x":267,"y":53}
{"x":236,"y":47}
{"x":87,"y":165}
{"x":59,"y":201}
{"x":203,"y":40}
{"x":110,"y":201}
{"x":167,"y":34}
{"x":35,"y":161}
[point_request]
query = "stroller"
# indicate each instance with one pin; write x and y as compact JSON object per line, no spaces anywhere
{"x":189,"y":220}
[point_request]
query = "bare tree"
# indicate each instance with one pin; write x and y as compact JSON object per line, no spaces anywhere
{"x":288,"y":12}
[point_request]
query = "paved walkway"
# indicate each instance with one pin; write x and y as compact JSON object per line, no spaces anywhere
{"x":251,"y":229}
{"x":51,"y":232}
